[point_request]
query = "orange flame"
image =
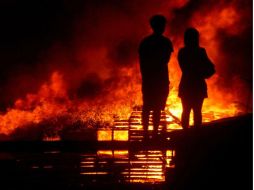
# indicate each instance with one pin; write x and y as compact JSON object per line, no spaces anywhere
{"x":52,"y":100}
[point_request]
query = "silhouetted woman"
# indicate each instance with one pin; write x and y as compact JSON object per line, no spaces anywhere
{"x":196,"y":67}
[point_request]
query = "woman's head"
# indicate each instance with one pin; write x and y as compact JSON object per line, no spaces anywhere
{"x":191,"y":37}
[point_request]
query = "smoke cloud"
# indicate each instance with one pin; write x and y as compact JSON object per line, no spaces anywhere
{"x":94,"y":45}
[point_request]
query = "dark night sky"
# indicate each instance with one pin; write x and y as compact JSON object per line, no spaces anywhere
{"x":32,"y":32}
{"x":29,"y":28}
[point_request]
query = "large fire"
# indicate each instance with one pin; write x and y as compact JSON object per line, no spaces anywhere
{"x":53,"y":108}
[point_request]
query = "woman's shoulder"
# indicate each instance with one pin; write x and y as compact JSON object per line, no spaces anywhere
{"x":187,"y":50}
{"x":202,"y":49}
{"x":182,"y":49}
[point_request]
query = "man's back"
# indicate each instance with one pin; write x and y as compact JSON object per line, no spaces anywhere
{"x":154,"y":52}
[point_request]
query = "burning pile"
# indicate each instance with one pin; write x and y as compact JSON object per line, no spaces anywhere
{"x":96,"y":77}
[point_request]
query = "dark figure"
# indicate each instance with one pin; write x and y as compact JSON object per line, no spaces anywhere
{"x":196,"y":67}
{"x":154,"y":54}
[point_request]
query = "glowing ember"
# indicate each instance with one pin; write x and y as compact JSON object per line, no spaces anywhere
{"x":132,"y":167}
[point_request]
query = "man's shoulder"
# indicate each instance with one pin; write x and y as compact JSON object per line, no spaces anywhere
{"x":168,"y":42}
{"x":166,"y":39}
{"x":153,"y":37}
{"x":146,"y":39}
{"x":146,"y":42}
{"x":152,"y":40}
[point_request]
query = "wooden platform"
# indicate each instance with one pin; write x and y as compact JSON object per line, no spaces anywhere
{"x":216,"y":156}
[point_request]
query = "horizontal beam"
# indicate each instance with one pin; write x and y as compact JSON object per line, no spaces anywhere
{"x":79,"y":146}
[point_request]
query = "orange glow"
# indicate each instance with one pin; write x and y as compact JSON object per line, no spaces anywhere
{"x":53,"y":106}
{"x":104,"y":135}
{"x":121,"y":135}
{"x":105,"y":153}
{"x":52,"y":102}
{"x":121,"y":153}
{"x":132,"y":167}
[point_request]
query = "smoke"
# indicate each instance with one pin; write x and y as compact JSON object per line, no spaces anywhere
{"x":94,"y":43}
{"x":84,"y":37}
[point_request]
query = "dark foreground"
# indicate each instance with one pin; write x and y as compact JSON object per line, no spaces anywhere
{"x":217,"y":156}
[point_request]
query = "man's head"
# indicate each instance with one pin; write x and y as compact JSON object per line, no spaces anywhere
{"x":158,"y":23}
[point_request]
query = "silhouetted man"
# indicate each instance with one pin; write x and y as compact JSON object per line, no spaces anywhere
{"x":196,"y":67}
{"x":154,"y":54}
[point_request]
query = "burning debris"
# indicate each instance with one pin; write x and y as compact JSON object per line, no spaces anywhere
{"x":94,"y":75}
